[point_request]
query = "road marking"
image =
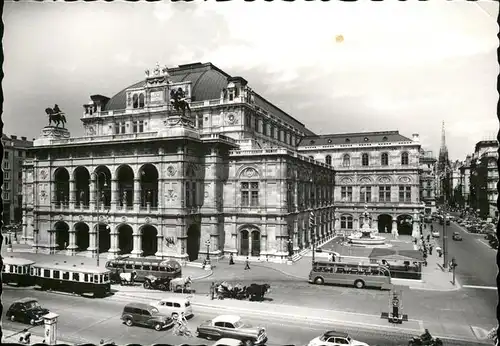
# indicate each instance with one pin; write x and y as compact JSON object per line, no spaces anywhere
{"x":480,"y":287}
{"x":483,"y":242}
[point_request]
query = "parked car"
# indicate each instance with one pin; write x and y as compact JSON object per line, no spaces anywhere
{"x":173,"y":306}
{"x":494,"y":243}
{"x":456,"y":236}
{"x":145,"y":315}
{"x":231,"y":326}
{"x":489,"y":236}
{"x":26,"y":310}
{"x":333,"y":338}
{"x":435,"y":234}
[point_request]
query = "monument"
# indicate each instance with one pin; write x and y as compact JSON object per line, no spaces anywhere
{"x":51,"y":132}
{"x":365,"y":235}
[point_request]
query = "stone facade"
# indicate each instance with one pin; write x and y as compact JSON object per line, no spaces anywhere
{"x":428,"y":181}
{"x":151,"y":180}
{"x":379,"y":170}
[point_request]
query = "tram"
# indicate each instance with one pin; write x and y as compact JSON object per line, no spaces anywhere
{"x":16,"y":271}
{"x":160,"y":268}
{"x":79,"y":279}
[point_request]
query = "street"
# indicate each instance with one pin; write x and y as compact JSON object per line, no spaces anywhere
{"x":90,"y":320}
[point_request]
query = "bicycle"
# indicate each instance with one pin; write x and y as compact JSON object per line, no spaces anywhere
{"x":182,"y":330}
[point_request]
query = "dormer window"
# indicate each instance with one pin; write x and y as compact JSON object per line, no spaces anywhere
{"x":366,"y":139}
{"x":141,"y":101}
{"x":384,"y":138}
{"x":329,"y":141}
{"x":135,"y":101}
{"x":347,"y":140}
{"x":311,"y":141}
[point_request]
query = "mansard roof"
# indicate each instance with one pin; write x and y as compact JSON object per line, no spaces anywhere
{"x":207,"y":82}
{"x":354,"y":138}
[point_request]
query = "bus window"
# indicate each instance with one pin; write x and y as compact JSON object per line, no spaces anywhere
{"x":56,"y":274}
{"x":96,"y":278}
{"x":76,"y":277}
{"x":146,"y":267}
{"x":20,"y":269}
{"x":354,"y":270}
{"x":32,"y":271}
{"x":46,"y":273}
{"x":340,"y":270}
{"x":163,"y":268}
{"x":106,"y":278}
{"x":128,"y":266}
{"x":65,"y":276}
{"x":137,"y":267}
{"x":86,"y":277}
{"x":154,"y":268}
{"x":12,"y":269}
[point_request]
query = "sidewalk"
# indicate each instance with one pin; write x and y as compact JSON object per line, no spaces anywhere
{"x":12,"y":336}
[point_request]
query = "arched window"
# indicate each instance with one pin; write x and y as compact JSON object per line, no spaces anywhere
{"x":346,"y":161}
{"x":384,"y":159}
{"x":346,"y":222}
{"x":404,"y":158}
{"x":135,"y":101}
{"x":141,"y":101}
{"x":364,"y":160}
{"x":328,"y":160}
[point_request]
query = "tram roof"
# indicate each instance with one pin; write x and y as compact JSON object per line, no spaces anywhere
{"x":144,"y":260}
{"x":74,"y":268}
{"x":17,"y":261}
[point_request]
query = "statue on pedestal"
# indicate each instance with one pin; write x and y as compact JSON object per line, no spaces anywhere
{"x":56,"y":116}
{"x":124,"y":199}
{"x":178,"y":100}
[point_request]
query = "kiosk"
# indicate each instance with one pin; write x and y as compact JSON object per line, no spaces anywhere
{"x":50,"y":334}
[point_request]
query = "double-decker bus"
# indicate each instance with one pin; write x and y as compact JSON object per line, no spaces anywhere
{"x":358,"y":275}
{"x":144,"y":267}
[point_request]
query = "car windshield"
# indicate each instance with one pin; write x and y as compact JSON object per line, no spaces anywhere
{"x":32,"y":305}
{"x":238,"y":324}
{"x":154,"y":311}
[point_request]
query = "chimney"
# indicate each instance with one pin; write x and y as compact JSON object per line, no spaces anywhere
{"x":13,"y":137}
{"x":416,"y":138}
{"x":23,"y":138}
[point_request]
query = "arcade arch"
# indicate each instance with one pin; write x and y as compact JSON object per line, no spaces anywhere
{"x":384,"y":222}
{"x":405,"y":224}
{"x":125,"y":239}
{"x":149,"y":185}
{"x":125,"y":176}
{"x":82,"y":236}
{"x":61,"y":230}
{"x":103,"y":180}
{"x":249,"y":242}
{"x":193,"y":242}
{"x":82,"y":186}
{"x":104,"y":234}
{"x":61,"y":178}
{"x":149,"y":240}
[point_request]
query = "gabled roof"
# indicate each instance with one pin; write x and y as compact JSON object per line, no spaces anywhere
{"x":353,"y":138}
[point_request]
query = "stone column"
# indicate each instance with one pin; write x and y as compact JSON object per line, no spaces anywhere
{"x":71,"y":249}
{"x":92,"y":239}
{"x":72,"y":194}
{"x":159,"y":244}
{"x":137,"y":251}
{"x":113,"y":250}
{"x":394,"y":224}
{"x":115,"y":194}
{"x":295,"y":236}
{"x":137,"y":195}
{"x":53,"y":191}
{"x":92,"y":194}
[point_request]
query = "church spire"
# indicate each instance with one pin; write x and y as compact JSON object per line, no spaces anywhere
{"x":443,"y":139}
{"x":443,"y":152}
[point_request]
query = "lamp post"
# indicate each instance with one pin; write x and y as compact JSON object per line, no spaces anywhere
{"x":453,"y":266}
{"x":207,"y":244}
{"x":98,"y":195}
{"x":313,"y":233}
{"x":445,"y":230}
{"x":35,"y":232}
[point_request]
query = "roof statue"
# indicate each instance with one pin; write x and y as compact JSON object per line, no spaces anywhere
{"x":157,"y":71}
{"x":178,"y":100}
{"x":56,"y":116}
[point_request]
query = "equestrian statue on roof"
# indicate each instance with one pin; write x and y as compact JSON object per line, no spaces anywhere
{"x":56,"y":116}
{"x":178,"y":100}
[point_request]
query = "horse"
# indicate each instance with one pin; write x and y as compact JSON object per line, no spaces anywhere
{"x":128,"y":278}
{"x":179,"y":284}
{"x":56,"y":117}
{"x":178,"y":101}
{"x":256,"y":291}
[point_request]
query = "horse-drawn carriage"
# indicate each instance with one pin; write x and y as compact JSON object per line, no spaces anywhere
{"x":238,"y":291}
{"x":123,"y":279}
{"x":166,"y":284}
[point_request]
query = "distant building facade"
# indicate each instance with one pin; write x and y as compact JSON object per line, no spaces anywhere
{"x":379,"y":170}
{"x":465,"y":181}
{"x":428,"y":181}
{"x":149,"y":179}
{"x":15,"y":151}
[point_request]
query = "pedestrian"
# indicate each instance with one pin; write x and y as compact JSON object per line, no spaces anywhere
{"x":428,"y":237}
{"x":330,"y":257}
{"x":212,"y":291}
{"x":231,"y":260}
{"x":430,"y":249}
{"x":247,"y":264}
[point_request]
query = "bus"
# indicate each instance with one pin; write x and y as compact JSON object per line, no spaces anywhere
{"x":358,"y":275}
{"x":79,"y":279}
{"x":144,"y":267}
{"x":16,"y":271}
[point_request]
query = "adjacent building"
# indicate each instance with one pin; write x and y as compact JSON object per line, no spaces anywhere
{"x":15,"y":151}
{"x":377,"y":170}
{"x":428,"y":181}
{"x":156,"y":176}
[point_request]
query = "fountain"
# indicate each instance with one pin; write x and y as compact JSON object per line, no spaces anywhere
{"x":364,"y":236}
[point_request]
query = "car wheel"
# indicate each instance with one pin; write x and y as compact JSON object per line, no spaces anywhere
{"x":32,"y":322}
{"x":12,"y":318}
{"x":359,"y":284}
{"x":129,"y":322}
{"x":319,"y":281}
{"x":157,"y":326}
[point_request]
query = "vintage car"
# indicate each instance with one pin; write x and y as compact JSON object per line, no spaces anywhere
{"x":231,"y":326}
{"x":174,"y":306}
{"x":228,"y":342}
{"x":145,"y":315}
{"x":26,"y":310}
{"x":456,"y":236}
{"x":333,"y":338}
{"x":435,"y":234}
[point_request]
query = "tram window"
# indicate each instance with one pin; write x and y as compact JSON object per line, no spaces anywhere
{"x":65,"y":276}
{"x":145,"y":267}
{"x":46,"y":273}
{"x":163,"y":268}
{"x":154,"y":268}
{"x":106,"y":277}
{"x":96,"y":278}
{"x":128,"y":266}
{"x":137,"y":267}
{"x":76,"y":277}
{"x":19,"y":269}
{"x":32,"y":270}
{"x":56,"y":274}
{"x":11,"y":269}
{"x":86,"y":277}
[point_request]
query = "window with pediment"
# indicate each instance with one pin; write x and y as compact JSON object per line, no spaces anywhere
{"x":364,"y":160}
{"x":404,"y":158}
{"x":346,"y":160}
{"x":384,"y":159}
{"x":328,"y":160}
{"x":249,"y":193}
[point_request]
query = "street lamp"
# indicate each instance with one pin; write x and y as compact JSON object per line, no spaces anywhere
{"x":35,"y":233}
{"x":96,"y":177}
{"x":445,"y":235}
{"x":207,"y":244}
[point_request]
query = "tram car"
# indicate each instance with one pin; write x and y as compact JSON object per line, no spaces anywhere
{"x":79,"y":279}
{"x":145,"y":267}
{"x":16,"y":271}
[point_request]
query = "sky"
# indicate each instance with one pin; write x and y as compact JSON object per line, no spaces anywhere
{"x":335,"y":66}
